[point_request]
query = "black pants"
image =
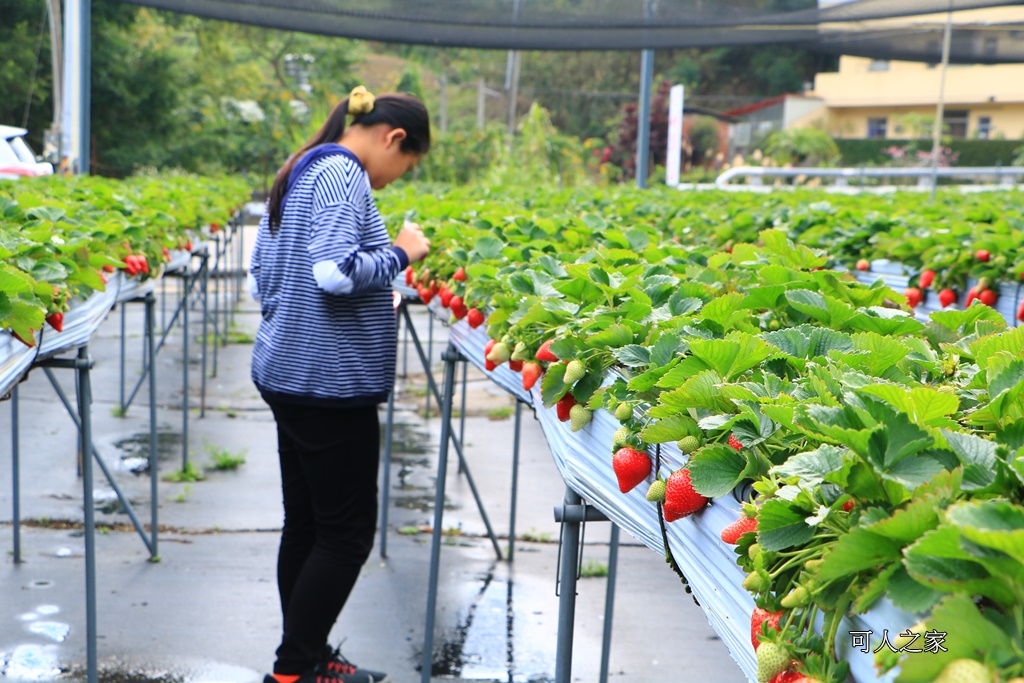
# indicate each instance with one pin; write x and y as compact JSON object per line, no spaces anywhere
{"x":329,"y":459}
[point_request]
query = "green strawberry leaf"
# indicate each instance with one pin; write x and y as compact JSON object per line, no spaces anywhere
{"x":963,"y":632}
{"x":978,"y":457}
{"x":779,"y":526}
{"x":669,"y":429}
{"x":857,"y":551}
{"x":552,"y":384}
{"x":716,"y":470}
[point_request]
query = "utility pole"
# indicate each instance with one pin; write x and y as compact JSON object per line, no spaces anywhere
{"x":53,"y":136}
{"x":940,"y":107}
{"x":643,"y":134}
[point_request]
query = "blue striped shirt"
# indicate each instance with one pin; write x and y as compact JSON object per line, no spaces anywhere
{"x":323,"y":280}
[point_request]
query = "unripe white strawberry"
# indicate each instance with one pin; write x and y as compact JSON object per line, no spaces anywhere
{"x":579,"y":417}
{"x":771,"y":661}
{"x":574,"y":372}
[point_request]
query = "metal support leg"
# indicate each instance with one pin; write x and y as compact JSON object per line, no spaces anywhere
{"x":462,"y":410}
{"x":451,"y":356}
{"x":205,"y":266}
{"x":184,"y":375}
{"x":609,"y":602}
{"x":85,"y":436}
{"x":219,"y":328}
{"x":125,"y":503}
{"x":154,"y":466}
{"x":430,"y":357}
{"x":432,"y":389}
{"x":515,"y":484}
{"x":569,"y":551}
{"x":386,"y":485}
{"x":124,"y":406}
{"x":16,"y":475}
{"x":405,"y":345}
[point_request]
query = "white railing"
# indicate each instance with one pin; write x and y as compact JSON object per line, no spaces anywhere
{"x":1004,"y":176}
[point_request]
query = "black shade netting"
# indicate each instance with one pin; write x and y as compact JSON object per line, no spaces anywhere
{"x":912,"y":29}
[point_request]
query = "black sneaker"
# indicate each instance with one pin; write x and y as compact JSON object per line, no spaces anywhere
{"x":336,"y":665}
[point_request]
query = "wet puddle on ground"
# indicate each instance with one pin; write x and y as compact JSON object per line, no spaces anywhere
{"x":491,"y":642}
{"x":134,"y":450}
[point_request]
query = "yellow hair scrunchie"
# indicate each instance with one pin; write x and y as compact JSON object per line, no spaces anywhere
{"x":360,"y":101}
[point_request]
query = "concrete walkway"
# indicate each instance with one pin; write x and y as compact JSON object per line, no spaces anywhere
{"x":208,"y":611}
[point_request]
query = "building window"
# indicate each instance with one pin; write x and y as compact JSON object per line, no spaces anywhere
{"x":878,"y":65}
{"x":877,"y":127}
{"x":955,"y":122}
{"x":984,"y":127}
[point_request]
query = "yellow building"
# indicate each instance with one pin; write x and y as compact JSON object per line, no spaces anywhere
{"x":870,"y":98}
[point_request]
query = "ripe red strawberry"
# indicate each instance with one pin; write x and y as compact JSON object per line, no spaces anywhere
{"x":982,"y":255}
{"x":425,"y":295}
{"x":167,"y":254}
{"x":680,"y":498}
{"x":863,"y":264}
{"x":1020,"y":312}
{"x":631,"y":468}
{"x":947,"y":297}
{"x":446,"y":296}
{"x":531,"y":373}
{"x":103,"y":276}
{"x":544,"y":352}
{"x":564,"y":406}
{"x":460,"y":275}
{"x":475,"y":318}
{"x":760,"y":616}
{"x":988,"y":297}
{"x":108,"y":268}
{"x":927,"y":278}
{"x":732,"y":533}
{"x":515,"y":365}
{"x":790,"y":677}
{"x":458,"y":307}
{"x":410,"y":274}
{"x":972,"y":294}
{"x":188,"y":245}
{"x":849,"y":505}
{"x":489,"y":365}
{"x":56,"y":321}
{"x":914,"y":296}
{"x":735,"y":443}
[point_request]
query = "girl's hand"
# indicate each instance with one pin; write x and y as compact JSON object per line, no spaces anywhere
{"x":413,"y":242}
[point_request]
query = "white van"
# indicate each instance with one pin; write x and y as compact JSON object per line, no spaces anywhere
{"x":17,"y":160}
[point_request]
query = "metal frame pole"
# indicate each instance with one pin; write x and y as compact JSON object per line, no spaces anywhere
{"x":82,"y":366}
{"x":609,"y":601}
{"x":184,"y":371}
{"x":567,"y":596}
{"x":388,"y":448}
{"x":432,"y":388}
{"x":515,"y":485}
{"x":940,"y":107}
{"x":125,"y":502}
{"x":124,"y":407}
{"x":154,"y":465}
{"x":16,"y":474}
{"x":386,"y":486}
{"x":428,"y":366}
{"x":462,"y":410}
{"x":217,"y":327}
{"x":204,"y":292}
{"x":450,"y":356}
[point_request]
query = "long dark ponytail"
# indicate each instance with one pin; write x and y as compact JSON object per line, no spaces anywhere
{"x":395,"y":109}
